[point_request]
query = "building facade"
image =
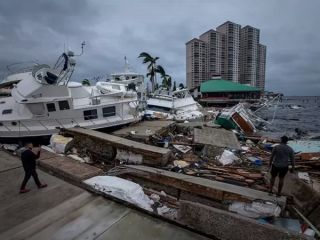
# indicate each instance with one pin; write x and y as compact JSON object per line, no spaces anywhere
{"x":196,"y":58}
{"x":213,"y":42}
{"x":249,"y":55}
{"x":261,"y":66}
{"x":232,"y":52}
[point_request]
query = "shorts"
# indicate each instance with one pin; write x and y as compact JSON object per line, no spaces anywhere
{"x":279,"y":171}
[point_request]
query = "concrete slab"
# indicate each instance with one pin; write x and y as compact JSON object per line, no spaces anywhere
{"x":32,"y":226}
{"x":152,"y":155}
{"x":143,"y":130}
{"x":87,"y":222}
{"x":227,"y":225}
{"x":8,"y":162}
{"x":201,"y":186}
{"x":216,"y":137}
{"x":16,"y":208}
{"x":139,"y":226}
{"x":68,"y":168}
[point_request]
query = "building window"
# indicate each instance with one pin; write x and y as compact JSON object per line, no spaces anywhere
{"x":109,"y":111}
{"x":7,"y":111}
{"x":51,"y":107}
{"x":64,"y":105}
{"x":90,"y":114}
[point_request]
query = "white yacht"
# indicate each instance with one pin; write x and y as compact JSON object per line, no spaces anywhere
{"x":45,"y":100}
{"x":178,"y":105}
{"x":134,"y":81}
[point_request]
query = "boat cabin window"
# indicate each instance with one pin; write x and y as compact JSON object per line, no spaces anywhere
{"x":109,"y":111}
{"x":36,"y":109}
{"x":51,"y":107}
{"x":64,"y":105}
{"x":158,"y":108}
{"x":7,"y":111}
{"x":90,"y":114}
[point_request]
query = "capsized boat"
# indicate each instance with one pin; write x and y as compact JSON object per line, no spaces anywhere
{"x":45,"y":100}
{"x":239,"y":117}
{"x":177,"y":105}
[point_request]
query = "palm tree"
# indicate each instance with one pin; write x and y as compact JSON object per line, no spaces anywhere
{"x":174,"y":86}
{"x":148,"y":59}
{"x":162,"y":72}
{"x":169,"y":81}
{"x":181,"y":86}
{"x":85,"y":82}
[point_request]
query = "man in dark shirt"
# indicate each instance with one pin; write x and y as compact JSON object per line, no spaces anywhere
{"x":282,"y":156}
{"x":28,"y":159}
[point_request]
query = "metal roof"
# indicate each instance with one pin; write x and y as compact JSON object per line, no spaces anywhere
{"x":225,"y":86}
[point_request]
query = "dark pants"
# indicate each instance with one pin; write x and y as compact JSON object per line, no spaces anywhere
{"x":279,"y":171}
{"x":28,"y":173}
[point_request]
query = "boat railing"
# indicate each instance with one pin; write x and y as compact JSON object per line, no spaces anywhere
{"x":21,"y":69}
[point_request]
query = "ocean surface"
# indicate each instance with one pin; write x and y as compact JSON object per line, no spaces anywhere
{"x":293,"y":113}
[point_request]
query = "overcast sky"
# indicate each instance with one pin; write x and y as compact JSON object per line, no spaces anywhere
{"x":39,"y":29}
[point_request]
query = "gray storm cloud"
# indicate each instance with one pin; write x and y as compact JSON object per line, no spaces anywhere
{"x":39,"y":30}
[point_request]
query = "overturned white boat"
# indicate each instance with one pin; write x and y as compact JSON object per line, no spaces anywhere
{"x":44,"y":100}
{"x":177,"y":105}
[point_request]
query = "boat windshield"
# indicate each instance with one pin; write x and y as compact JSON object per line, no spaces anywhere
{"x":158,"y":108}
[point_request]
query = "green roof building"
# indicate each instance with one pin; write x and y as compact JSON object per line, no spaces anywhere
{"x":224,"y":92}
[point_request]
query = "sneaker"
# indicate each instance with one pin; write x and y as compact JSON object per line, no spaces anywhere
{"x":25,"y":190}
{"x":43,"y":186}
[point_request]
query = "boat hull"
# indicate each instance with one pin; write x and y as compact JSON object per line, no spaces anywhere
{"x":16,"y":135}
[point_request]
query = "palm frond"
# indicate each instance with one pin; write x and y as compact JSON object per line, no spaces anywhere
{"x":159,"y":69}
{"x":145,"y":55}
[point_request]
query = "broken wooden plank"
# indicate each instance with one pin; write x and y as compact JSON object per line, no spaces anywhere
{"x":216,"y":137}
{"x":152,"y":155}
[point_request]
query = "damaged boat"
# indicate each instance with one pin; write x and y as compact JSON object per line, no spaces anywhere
{"x":239,"y":117}
{"x":132,"y":80}
{"x":177,"y":105}
{"x":44,"y":100}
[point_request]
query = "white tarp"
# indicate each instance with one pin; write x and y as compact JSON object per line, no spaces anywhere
{"x":59,"y":143}
{"x":122,"y":189}
{"x":255,"y":209}
{"x":129,"y":157}
{"x":227,"y":157}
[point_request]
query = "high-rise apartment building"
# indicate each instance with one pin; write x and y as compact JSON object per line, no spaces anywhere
{"x":197,"y":68}
{"x":213,"y":40}
{"x":249,"y":38}
{"x":232,"y":52}
{"x":261,"y":66}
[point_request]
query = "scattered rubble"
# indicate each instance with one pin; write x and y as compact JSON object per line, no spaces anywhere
{"x":227,"y":169}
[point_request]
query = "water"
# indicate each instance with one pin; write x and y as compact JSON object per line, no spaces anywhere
{"x":306,"y":118}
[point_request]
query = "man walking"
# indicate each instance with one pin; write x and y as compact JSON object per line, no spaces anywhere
{"x":282,"y":156}
{"x":28,"y":159}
